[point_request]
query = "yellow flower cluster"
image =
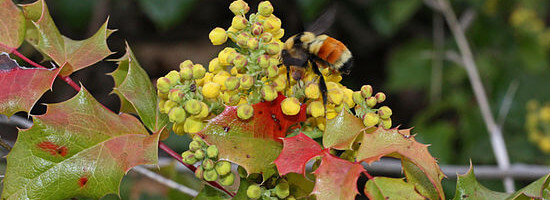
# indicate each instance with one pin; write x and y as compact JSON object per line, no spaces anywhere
{"x":538,"y":124}
{"x":181,"y":100}
{"x":527,"y":20}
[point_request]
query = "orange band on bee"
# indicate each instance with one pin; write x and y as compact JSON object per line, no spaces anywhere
{"x":331,"y":50}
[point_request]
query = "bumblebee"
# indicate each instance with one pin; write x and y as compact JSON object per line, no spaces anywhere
{"x":307,"y":48}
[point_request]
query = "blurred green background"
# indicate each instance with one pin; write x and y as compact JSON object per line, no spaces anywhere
{"x":403,"y":48}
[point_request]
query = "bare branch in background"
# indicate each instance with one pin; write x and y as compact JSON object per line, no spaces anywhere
{"x":165,"y":181}
{"x":437,"y":59}
{"x":507,"y":103}
{"x":497,"y":141}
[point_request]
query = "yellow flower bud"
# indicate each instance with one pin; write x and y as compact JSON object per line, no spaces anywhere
{"x":242,"y":39}
{"x":290,"y":106}
{"x":223,"y":56}
{"x":366,"y":91}
{"x":240,"y":61}
{"x":370,"y":119}
{"x":335,"y":96}
{"x":176,"y":95}
{"x":358,"y":98}
{"x":168,"y":105}
{"x":272,"y":48}
{"x":239,"y":7}
{"x":544,"y":114}
{"x":203,"y":113}
{"x":232,"y":83}
{"x":186,"y":63}
{"x":207,"y":78}
{"x":177,"y":114}
{"x":186,"y":72}
{"x":161,"y":105}
{"x":385,"y":123}
{"x":384,"y":112}
{"x":211,"y":90}
{"x":198,"y":71}
{"x":239,"y":22}
{"x":380,"y":97}
{"x":220,"y":79}
{"x":178,"y":129}
{"x":271,"y":24}
{"x":316,"y":109}
{"x":192,"y":125}
{"x":246,"y":81}
{"x":321,"y":122}
{"x":348,"y":97}
{"x":253,"y":43}
{"x":268,"y":93}
{"x":279,"y":83}
{"x":214,"y":66}
{"x":231,"y":98}
{"x":263,"y":61}
{"x":163,"y":84}
{"x":265,"y":8}
{"x":312,"y":91}
{"x":371,"y":102}
{"x":245,"y":111}
{"x":257,"y":28}
{"x":192,"y":106}
{"x":274,"y":60}
{"x":334,"y":78}
{"x":217,"y":36}
{"x":162,"y":95}
{"x":266,"y":37}
{"x":174,"y":77}
{"x":278,"y":34}
{"x":272,"y":71}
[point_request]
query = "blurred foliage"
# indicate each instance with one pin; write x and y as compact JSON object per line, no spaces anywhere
{"x":166,"y":13}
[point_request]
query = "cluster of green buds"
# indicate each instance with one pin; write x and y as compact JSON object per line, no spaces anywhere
{"x":365,"y":108}
{"x":273,"y":188}
{"x":182,"y":98}
{"x":538,"y":124}
{"x":211,"y":169}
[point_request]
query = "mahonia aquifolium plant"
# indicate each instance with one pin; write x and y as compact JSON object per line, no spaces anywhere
{"x":538,"y":124}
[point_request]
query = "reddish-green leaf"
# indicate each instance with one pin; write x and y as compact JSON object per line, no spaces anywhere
{"x":300,"y":186}
{"x":400,"y":144}
{"x":78,"y":148}
{"x":297,"y":151}
{"x":381,"y":188}
{"x":12,"y":26}
{"x":336,"y":178}
{"x":253,"y":143}
{"x":342,"y":130}
{"x":132,"y":85}
{"x":70,"y":54}
{"x":20,"y":87}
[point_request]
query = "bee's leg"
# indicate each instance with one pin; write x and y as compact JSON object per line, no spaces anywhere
{"x":322,"y":84}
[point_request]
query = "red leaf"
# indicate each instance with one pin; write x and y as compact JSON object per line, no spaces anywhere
{"x":400,"y":144}
{"x":20,"y":88}
{"x":336,"y":178}
{"x":12,"y":26}
{"x":253,"y":143}
{"x":297,"y":151}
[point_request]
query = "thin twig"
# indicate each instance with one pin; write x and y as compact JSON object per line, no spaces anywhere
{"x":507,"y":103}
{"x":165,"y":181}
{"x":497,"y":141}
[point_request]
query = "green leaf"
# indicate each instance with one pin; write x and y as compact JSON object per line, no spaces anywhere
{"x":70,"y":55}
{"x":387,"y":16}
{"x":22,"y":87}
{"x":467,"y":187}
{"x":209,"y":192}
{"x":537,"y":189}
{"x":400,"y":144}
{"x":300,"y":186}
{"x":77,"y":149}
{"x":166,"y":13}
{"x":12,"y":26}
{"x":133,"y":86}
{"x":241,"y":192}
{"x":381,"y":188}
{"x":342,"y":130}
{"x":416,"y":177}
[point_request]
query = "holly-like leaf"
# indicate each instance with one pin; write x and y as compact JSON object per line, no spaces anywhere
{"x":400,"y":144}
{"x":381,"y":188}
{"x":342,"y":130}
{"x":467,"y":187}
{"x":132,"y":85}
{"x":336,"y":178}
{"x":297,"y":151}
{"x":70,"y":55}
{"x":254,"y":143}
{"x":416,"y":177}
{"x":300,"y":186}
{"x":78,"y":148}
{"x":21,"y":87}
{"x":538,"y":189}
{"x":12,"y":26}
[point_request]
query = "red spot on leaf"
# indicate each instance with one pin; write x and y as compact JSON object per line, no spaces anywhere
{"x":270,"y":120}
{"x":297,"y":151}
{"x":82,"y":181}
{"x":52,"y":148}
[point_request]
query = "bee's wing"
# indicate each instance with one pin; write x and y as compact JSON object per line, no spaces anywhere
{"x":323,"y":22}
